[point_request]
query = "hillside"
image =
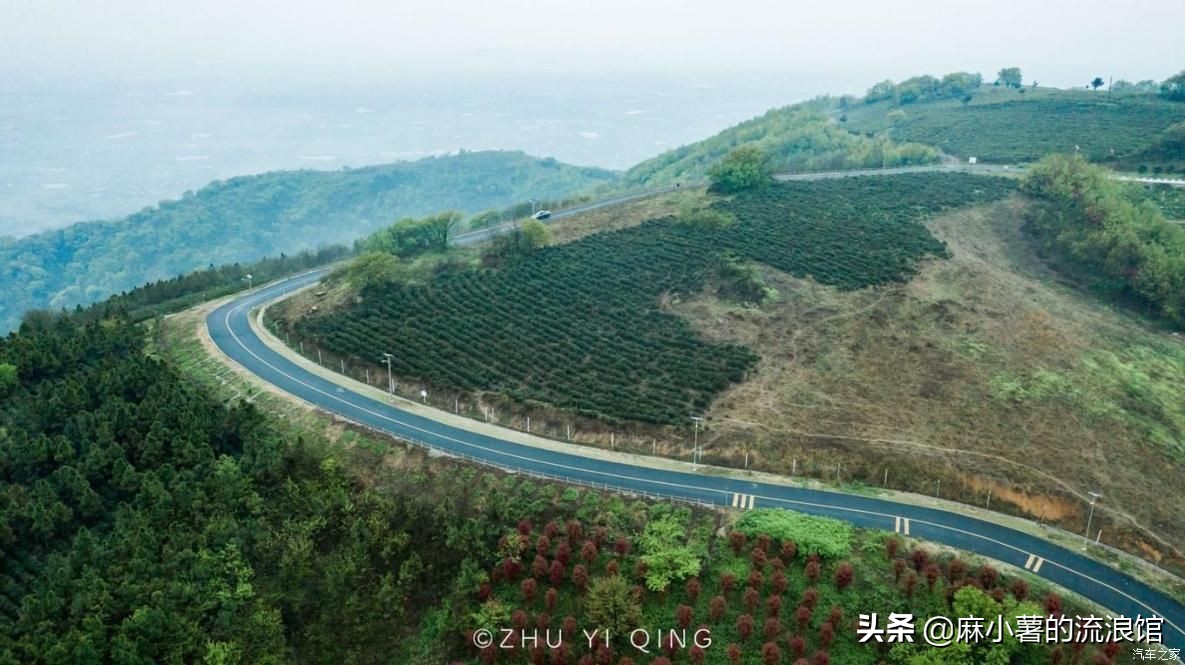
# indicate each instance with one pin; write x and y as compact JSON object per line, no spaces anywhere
{"x":1000,"y":124}
{"x":959,"y":115}
{"x":247,"y":218}
{"x":857,"y":324}
{"x":582,"y":326}
{"x":797,"y":138}
{"x":216,"y":532}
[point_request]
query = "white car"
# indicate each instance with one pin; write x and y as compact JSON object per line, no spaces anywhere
{"x":542,"y":214}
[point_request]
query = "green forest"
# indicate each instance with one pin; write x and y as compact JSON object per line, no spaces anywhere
{"x":580,"y":326}
{"x":142,"y":520}
{"x":246,"y":218}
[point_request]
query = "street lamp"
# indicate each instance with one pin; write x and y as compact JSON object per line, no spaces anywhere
{"x":1094,"y":496}
{"x":390,"y":381}
{"x":695,"y":453}
{"x":250,"y":280}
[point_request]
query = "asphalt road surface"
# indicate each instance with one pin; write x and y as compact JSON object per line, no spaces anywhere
{"x":1110,"y":588}
{"x":479,"y":235}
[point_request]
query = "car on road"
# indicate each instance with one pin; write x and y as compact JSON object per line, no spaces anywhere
{"x":542,"y":214}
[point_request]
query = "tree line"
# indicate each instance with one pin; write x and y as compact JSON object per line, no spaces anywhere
{"x":1090,"y":227}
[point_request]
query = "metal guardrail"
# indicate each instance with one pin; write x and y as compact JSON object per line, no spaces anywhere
{"x":658,"y":496}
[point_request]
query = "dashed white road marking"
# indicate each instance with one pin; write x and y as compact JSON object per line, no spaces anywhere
{"x":901,"y":525}
{"x":1033,"y":563}
{"x":743,"y":501}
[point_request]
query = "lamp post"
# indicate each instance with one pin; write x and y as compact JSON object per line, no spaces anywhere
{"x":250,"y":279}
{"x":695,"y":453}
{"x":1094,"y":496}
{"x":390,"y":381}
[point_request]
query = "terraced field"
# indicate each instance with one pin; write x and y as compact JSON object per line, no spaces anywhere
{"x":1004,"y":126}
{"x":583,"y":326}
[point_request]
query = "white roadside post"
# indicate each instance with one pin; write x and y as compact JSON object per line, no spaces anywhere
{"x":390,"y":381}
{"x":1094,"y":496}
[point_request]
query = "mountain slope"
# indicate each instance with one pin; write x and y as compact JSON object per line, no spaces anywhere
{"x":243,"y":219}
{"x":1000,"y":124}
{"x":797,"y":138}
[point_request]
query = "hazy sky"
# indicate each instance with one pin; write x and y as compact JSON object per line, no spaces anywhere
{"x":1058,"y":42}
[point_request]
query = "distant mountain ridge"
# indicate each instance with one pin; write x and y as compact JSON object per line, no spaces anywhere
{"x":246,"y":218}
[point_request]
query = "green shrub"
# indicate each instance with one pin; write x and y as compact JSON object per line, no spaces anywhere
{"x":747,"y":167}
{"x":828,"y":538}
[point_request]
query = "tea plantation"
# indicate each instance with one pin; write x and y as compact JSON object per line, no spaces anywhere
{"x":1104,"y":128}
{"x":580,"y":326}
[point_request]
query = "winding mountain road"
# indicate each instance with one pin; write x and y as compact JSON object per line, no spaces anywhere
{"x":230,"y":329}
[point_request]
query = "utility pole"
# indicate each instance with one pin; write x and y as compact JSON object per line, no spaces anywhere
{"x":390,"y":380}
{"x":695,"y":454}
{"x":1094,"y":496}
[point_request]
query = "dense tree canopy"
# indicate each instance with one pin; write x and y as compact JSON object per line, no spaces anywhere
{"x":746,"y":167}
{"x":1010,"y":77}
{"x":144,"y":521}
{"x":409,"y":237}
{"x":1123,"y":248}
{"x":1173,"y":88}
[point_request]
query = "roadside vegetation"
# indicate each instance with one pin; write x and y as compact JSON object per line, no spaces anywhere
{"x":1170,"y":199}
{"x":777,"y":587}
{"x":167,"y":296}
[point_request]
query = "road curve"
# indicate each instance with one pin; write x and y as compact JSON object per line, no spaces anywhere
{"x":230,"y":329}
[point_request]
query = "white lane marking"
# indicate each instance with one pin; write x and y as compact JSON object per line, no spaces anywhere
{"x":1037,"y":564}
{"x":905,"y":525}
{"x":896,"y":524}
{"x":1029,"y":561}
{"x":742,"y":501}
{"x":249,"y":301}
